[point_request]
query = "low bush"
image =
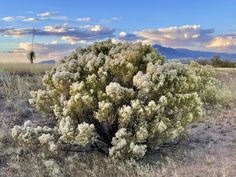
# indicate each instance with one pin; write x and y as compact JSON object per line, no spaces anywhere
{"x":218,"y":62}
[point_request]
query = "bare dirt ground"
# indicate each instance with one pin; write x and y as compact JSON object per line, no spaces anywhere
{"x":212,"y":147}
{"x":209,"y":150}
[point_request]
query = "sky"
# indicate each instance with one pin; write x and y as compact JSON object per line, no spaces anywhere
{"x":60,"y":26}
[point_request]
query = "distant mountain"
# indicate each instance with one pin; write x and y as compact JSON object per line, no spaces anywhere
{"x":48,"y":62}
{"x":184,"y":54}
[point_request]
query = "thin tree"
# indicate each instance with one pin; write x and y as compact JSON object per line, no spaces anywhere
{"x":31,"y":55}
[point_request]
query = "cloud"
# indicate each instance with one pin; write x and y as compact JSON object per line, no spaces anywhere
{"x":53,"y":50}
{"x":116,"y":18}
{"x":56,"y":29}
{"x":54,"y":42}
{"x":96,"y":28}
{"x":183,"y":36}
{"x":87,"y":33}
{"x":48,"y":14}
{"x":84,"y":19}
{"x":108,"y":20}
{"x":123,"y":36}
{"x":51,"y":16}
{"x":223,"y":43}
{"x":21,"y":18}
{"x":14,"y":32}
{"x":8,"y":19}
{"x":70,"y":39}
{"x":30,"y":19}
{"x":40,"y":17}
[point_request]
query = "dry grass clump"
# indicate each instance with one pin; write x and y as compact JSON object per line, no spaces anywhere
{"x":228,"y":78}
{"x":163,"y":162}
{"x":76,"y":165}
{"x":23,"y":68}
{"x":15,"y":89}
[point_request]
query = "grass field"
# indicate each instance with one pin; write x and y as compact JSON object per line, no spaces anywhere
{"x":23,"y":68}
{"x":210,"y":149}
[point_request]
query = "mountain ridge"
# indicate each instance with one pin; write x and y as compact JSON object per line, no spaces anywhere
{"x":182,"y":53}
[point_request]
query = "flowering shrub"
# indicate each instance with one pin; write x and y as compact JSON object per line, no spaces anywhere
{"x":120,"y":99}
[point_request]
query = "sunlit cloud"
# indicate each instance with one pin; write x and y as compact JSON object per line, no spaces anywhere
{"x":223,"y":43}
{"x":182,"y":36}
{"x":14,"y":32}
{"x":53,"y":50}
{"x":70,"y":39}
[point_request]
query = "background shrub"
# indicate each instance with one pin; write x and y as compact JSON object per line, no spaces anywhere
{"x":217,"y":62}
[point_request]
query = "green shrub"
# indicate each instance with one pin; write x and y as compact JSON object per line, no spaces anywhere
{"x":119,"y":99}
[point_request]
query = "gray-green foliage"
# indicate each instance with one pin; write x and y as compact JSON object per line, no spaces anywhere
{"x":121,"y":99}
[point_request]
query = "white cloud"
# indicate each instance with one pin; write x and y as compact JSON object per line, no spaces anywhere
{"x":48,"y":14}
{"x":107,"y":20}
{"x":13,"y":32}
{"x":74,"y":40}
{"x":54,"y":42}
{"x":122,"y":34}
{"x":63,"y":18}
{"x":96,"y":28}
{"x":30,"y":19}
{"x":8,"y":19}
{"x":55,"y":29}
{"x":84,"y":19}
{"x":70,"y":39}
{"x":51,"y":16}
{"x":21,"y":18}
{"x":116,"y":18}
{"x":26,"y":46}
{"x":183,"y":36}
{"x":223,"y":43}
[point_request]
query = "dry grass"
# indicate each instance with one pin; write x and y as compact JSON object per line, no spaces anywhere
{"x":228,"y":78}
{"x":22,"y":68}
{"x":210,"y":149}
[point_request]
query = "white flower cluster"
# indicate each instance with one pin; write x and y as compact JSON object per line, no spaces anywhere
{"x":104,"y":112}
{"x":48,"y":140}
{"x":122,"y":146}
{"x":85,"y":134}
{"x":124,"y":96}
{"x":30,"y":135}
{"x":116,"y":92}
{"x":66,"y":129}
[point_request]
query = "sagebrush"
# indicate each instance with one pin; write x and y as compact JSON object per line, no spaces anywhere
{"x":119,"y":99}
